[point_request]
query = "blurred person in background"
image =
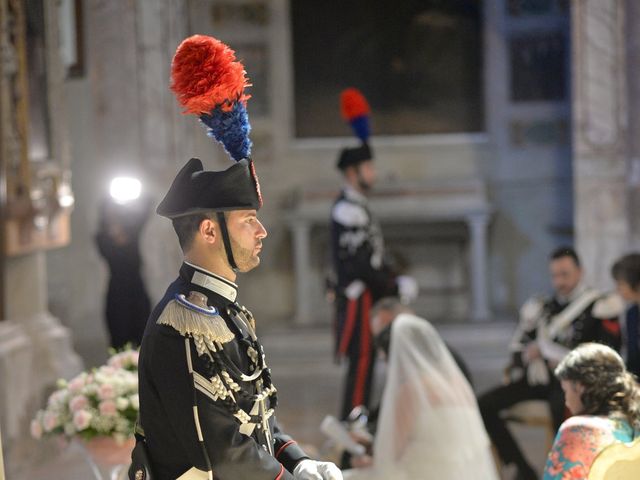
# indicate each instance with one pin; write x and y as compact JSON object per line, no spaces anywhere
{"x":548,"y":329}
{"x":429,"y":425}
{"x":121,"y":218}
{"x":363,"y":273}
{"x":626,"y":273}
{"x":605,"y":401}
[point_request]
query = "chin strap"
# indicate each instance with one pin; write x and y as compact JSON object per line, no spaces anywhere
{"x":222,"y":221}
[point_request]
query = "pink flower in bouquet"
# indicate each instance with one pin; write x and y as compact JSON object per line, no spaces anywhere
{"x":50,"y":421}
{"x":75,"y":385}
{"x":81,"y":419}
{"x":116,"y":361}
{"x":107,"y":407}
{"x":106,"y":391}
{"x":79,"y":402}
{"x":57,"y":398}
{"x":36,"y":429}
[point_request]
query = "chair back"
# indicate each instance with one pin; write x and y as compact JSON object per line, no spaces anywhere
{"x":619,"y":461}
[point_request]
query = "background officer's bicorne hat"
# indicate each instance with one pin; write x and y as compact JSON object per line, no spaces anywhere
{"x":355,"y":110}
{"x":209,"y":82}
{"x":354,"y":156}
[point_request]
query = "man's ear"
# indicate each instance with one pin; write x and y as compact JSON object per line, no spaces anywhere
{"x":208,"y":231}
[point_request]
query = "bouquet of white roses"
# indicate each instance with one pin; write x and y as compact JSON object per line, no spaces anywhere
{"x":100,"y":403}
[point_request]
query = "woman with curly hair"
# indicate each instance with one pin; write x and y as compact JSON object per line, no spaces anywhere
{"x":605,"y":399}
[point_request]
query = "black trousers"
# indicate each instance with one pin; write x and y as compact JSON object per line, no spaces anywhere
{"x":493,"y":402}
{"x":355,"y":343}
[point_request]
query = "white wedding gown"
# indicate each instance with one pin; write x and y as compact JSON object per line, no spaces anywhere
{"x":430,"y":427}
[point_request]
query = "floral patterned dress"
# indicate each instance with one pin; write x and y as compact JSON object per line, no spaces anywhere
{"x":579,"y":440}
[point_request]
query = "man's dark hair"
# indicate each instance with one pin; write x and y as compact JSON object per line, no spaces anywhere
{"x":565,"y":252}
{"x":627,"y":269}
{"x":187,"y":226}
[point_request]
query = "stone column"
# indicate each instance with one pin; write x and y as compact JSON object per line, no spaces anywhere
{"x":301,"y":243}
{"x":478,"y":224}
{"x":599,"y":140}
{"x":35,"y":349}
{"x":633,"y":73}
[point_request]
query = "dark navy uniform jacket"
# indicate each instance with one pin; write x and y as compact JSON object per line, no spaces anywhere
{"x":594,"y":323}
{"x":189,"y":418}
{"x":358,"y":247}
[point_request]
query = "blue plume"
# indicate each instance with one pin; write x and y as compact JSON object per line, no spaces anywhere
{"x":360,"y":127}
{"x":231,"y":129}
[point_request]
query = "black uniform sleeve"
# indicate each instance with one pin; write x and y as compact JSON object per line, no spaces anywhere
{"x":286,"y":450}
{"x":208,"y":432}
{"x":602,"y":330}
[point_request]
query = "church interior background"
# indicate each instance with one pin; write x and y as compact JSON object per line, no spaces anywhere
{"x":502,"y":129}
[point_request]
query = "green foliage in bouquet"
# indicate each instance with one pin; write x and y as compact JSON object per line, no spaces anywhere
{"x":100,"y":403}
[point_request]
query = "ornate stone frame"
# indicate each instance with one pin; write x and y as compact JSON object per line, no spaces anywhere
{"x":36,"y":196}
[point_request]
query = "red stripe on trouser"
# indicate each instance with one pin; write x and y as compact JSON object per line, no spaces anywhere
{"x":349,"y":325}
{"x":280,"y":474}
{"x":364,"y":359}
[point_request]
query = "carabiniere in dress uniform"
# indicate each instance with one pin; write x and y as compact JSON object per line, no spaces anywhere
{"x":207,"y":401}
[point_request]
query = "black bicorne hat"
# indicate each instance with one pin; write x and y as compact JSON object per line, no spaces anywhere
{"x":353,"y":156}
{"x":195,"y":190}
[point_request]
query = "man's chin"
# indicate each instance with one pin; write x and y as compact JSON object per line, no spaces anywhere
{"x":249,"y":264}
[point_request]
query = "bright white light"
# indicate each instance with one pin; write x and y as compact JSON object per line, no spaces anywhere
{"x":65,"y":196}
{"x":125,"y":189}
{"x":66,"y":201}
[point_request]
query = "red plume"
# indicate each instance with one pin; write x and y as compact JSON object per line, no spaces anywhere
{"x":353,"y":104}
{"x":205,"y":74}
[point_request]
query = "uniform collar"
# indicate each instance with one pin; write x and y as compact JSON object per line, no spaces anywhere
{"x":210,"y":281}
{"x":354,"y":195}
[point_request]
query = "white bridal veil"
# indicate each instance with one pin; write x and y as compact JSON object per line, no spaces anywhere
{"x":429,"y":424}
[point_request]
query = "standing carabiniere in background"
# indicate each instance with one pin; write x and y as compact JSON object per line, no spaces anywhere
{"x":206,"y":398}
{"x":362,"y":272}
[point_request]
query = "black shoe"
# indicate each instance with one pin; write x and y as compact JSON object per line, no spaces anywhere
{"x":525,"y":472}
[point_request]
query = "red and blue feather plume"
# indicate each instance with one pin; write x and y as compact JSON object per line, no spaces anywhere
{"x":355,"y":110}
{"x":209,"y":82}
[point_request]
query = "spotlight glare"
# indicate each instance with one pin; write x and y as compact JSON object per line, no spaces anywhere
{"x":125,"y":189}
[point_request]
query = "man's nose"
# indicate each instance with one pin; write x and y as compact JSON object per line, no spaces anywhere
{"x":262,"y":232}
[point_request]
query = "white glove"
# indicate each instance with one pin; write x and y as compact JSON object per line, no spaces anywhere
{"x":313,"y":470}
{"x":407,"y":288}
{"x":537,"y":372}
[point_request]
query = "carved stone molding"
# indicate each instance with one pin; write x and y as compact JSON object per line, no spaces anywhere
{"x":37,"y":195}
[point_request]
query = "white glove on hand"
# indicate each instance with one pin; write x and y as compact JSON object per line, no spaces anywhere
{"x":407,"y":288}
{"x":313,"y":470}
{"x":537,"y":372}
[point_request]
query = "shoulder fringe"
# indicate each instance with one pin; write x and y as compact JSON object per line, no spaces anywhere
{"x":191,"y":323}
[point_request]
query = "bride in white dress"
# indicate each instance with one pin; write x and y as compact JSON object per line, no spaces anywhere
{"x":429,"y":424}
